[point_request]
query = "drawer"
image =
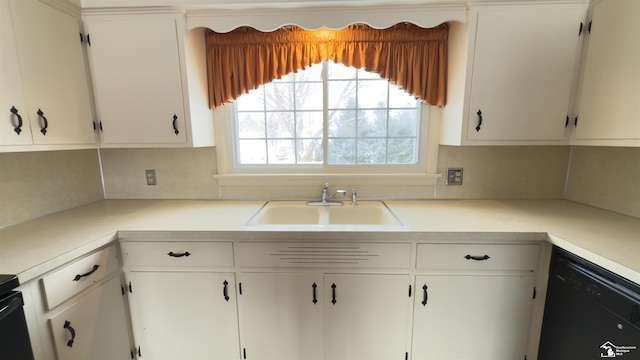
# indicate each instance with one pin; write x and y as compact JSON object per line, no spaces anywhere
{"x":322,"y":254}
{"x":74,"y":277}
{"x":177,"y":254}
{"x":477,"y":257}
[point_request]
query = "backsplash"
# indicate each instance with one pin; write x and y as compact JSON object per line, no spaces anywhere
{"x":34,"y":184}
{"x":606,"y":177}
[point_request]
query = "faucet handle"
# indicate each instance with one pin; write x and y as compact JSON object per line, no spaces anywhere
{"x":326,"y":186}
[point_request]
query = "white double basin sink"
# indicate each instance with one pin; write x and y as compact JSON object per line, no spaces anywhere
{"x":298,"y":213}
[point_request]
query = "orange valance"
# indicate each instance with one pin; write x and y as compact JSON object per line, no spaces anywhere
{"x":409,"y":56}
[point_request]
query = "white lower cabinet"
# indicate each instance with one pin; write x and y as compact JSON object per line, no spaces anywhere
{"x":184,"y":315}
{"x":313,"y":316}
{"x":94,"y":327}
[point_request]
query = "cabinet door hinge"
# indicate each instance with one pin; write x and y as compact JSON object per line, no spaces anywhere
{"x":409,"y":290}
{"x":534,"y":292}
{"x":581,"y":26}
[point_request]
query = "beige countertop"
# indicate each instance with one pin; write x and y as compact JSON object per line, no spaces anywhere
{"x":605,"y":238}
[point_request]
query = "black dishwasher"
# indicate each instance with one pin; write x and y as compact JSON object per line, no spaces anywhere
{"x":590,"y":313}
{"x":14,"y":337}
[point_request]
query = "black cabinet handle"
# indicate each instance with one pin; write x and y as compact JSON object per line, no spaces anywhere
{"x":67,"y":325}
{"x":18,"y":128}
{"x":8,"y":308}
{"x":175,"y":124}
{"x":479,"y":113}
{"x":225,"y":291}
{"x":333,"y":294}
{"x":425,"y":295}
{"x":315,"y":298}
{"x":477,"y":258}
{"x":172,"y":254}
{"x":78,"y":277}
{"x":43,"y":130}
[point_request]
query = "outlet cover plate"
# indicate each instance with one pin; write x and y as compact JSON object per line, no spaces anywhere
{"x":151,"y":177}
{"x":454,"y":176}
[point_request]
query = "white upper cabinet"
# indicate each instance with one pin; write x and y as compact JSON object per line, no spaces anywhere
{"x":609,"y":111}
{"x":511,"y":74}
{"x":138,"y":63}
{"x":44,"y":78}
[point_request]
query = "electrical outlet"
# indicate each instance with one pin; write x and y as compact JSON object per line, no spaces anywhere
{"x":151,"y":177}
{"x":454,"y":176}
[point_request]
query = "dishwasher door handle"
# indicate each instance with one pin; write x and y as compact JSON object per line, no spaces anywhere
{"x":8,"y":308}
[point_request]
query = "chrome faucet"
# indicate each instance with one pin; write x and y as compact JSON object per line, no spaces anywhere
{"x":325,"y":197}
{"x":354,"y":197}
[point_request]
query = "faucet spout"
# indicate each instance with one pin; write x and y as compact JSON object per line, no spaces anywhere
{"x":325,"y":197}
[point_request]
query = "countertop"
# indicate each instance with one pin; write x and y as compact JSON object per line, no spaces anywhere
{"x":608,"y":239}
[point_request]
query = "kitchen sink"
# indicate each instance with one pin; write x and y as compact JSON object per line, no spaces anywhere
{"x":367,"y":212}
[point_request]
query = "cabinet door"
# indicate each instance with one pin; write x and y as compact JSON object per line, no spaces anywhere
{"x":471,"y":317}
{"x":54,"y":73}
{"x":279,"y":319}
{"x":366,"y":316}
{"x":523,"y":69}
{"x":184,"y":315}
{"x":95,"y":327}
{"x":11,"y":91}
{"x":610,"y":97}
{"x":136,"y":74}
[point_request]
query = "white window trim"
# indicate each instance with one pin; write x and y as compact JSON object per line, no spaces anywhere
{"x":228,"y":175}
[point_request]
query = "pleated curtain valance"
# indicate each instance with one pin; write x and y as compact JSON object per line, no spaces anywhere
{"x":409,"y":56}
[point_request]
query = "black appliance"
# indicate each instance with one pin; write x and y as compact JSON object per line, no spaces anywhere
{"x":590,"y":312}
{"x":14,"y":337}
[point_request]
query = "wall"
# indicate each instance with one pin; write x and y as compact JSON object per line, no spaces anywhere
{"x":606,"y":177}
{"x":180,"y":173}
{"x":34,"y":184}
{"x":504,"y":172}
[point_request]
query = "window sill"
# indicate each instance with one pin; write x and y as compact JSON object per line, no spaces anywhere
{"x":320,"y":179}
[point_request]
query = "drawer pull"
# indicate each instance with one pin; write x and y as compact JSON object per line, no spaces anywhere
{"x":315,"y":298}
{"x":333,"y":294}
{"x":18,"y":128}
{"x":78,"y":277}
{"x":225,"y":290}
{"x":43,"y":130}
{"x":67,"y":325}
{"x":477,"y":258}
{"x":172,"y":254}
{"x":425,"y":295}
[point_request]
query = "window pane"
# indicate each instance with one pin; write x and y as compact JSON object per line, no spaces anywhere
{"x":281,"y":152}
{"x":341,"y":151}
{"x":308,"y":96}
{"x":402,"y":151}
{"x":403,"y":122}
{"x":372,"y":94}
{"x":309,"y":124}
{"x":251,"y":125}
{"x":372,"y":123}
{"x":342,"y":123}
{"x":339,"y":71}
{"x":310,"y":73}
{"x":252,"y":151}
{"x":363,"y":74}
{"x":280,"y":125}
{"x":398,"y":98}
{"x":310,"y":151}
{"x":372,"y":151}
{"x":342,"y":94}
{"x":279,"y":96}
{"x":254,"y":100}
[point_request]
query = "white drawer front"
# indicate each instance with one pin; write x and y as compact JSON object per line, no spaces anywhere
{"x":177,"y":254}
{"x":322,"y":254}
{"x":477,"y":257}
{"x":79,"y":275}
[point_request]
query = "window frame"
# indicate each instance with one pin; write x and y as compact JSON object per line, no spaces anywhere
{"x":228,"y":157}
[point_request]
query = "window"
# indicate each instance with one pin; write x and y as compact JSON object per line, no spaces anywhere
{"x":329,"y":116}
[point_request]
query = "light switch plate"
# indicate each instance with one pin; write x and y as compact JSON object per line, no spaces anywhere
{"x":454,"y":176}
